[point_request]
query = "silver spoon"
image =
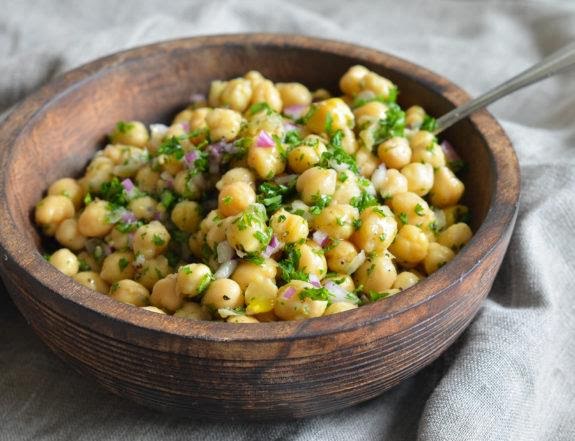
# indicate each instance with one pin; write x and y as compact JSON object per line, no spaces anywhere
{"x":557,"y":62}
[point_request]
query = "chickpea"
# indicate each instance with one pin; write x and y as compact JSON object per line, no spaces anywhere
{"x":193,"y":311}
{"x":377,"y":84}
{"x":118,"y":240}
{"x":306,"y":155}
{"x":377,"y":274}
{"x":65,"y":261}
{"x":316,"y":182}
{"x":343,"y":280}
{"x":92,"y":280}
{"x":217,"y":233}
{"x":312,"y":259}
{"x":289,"y":305}
{"x":235,"y":198}
{"x":338,"y":307}
{"x":346,"y":187}
{"x":131,"y":133}
{"x":237,"y":174}
{"x":294,"y":94}
{"x":412,"y":208}
{"x":118,"y":266}
{"x":395,"y":152}
{"x":267,"y":162}
{"x":237,"y":94}
{"x":455,"y":236}
{"x":366,"y":161}
{"x":223,"y":293}
{"x":165,"y":296}
{"x":248,"y":272}
{"x":67,"y":234}
{"x":340,"y":256}
{"x":351,"y":83}
{"x":337,"y":220}
{"x":90,"y":261}
{"x":242,"y":319}
{"x":372,"y":110}
{"x":447,"y":188}
{"x":216,"y":89}
{"x":414,"y":117}
{"x":70,"y":188}
{"x":260,"y":296}
{"x":53,"y":209}
{"x":419,"y":177}
{"x":146,"y":179}
{"x":189,"y":186}
{"x":193,"y":279}
{"x":254,"y":77}
{"x":98,"y":172}
{"x":183,"y":117}
{"x":348,"y":142}
{"x":130,"y":292}
{"x":432,"y":155}
{"x":410,"y":245}
{"x":248,"y":232}
{"x":455,"y":214}
{"x":143,"y":207}
{"x":198,"y":121}
{"x":377,"y":231}
{"x":93,"y":222}
{"x":329,"y":115}
{"x":287,"y":227}
{"x":265,"y":91}
{"x":223,"y":124}
{"x":437,"y":256}
{"x":273,"y":124}
{"x":393,"y":183}
{"x":406,"y":279}
{"x":151,"y":239}
{"x":153,"y":270}
{"x":421,"y":140}
{"x":187,"y":216}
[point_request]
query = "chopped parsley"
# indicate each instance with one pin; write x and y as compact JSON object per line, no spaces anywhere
{"x":290,"y":263}
{"x":114,"y":192}
{"x":88,"y":199}
{"x":402,"y":217}
{"x":171,"y":147}
{"x":123,"y":263}
{"x":337,"y":155}
{"x":419,"y":210}
{"x":254,"y":258}
{"x":124,"y":127}
{"x":258,"y":107}
{"x":271,"y":195}
{"x":429,"y":123}
{"x":84,"y":266}
{"x":315,"y":294}
{"x":363,"y":201}
{"x":253,"y":215}
{"x":392,"y":125}
{"x":228,"y":200}
{"x":168,"y":199}
{"x":205,"y":281}
{"x":319,"y":202}
{"x":390,"y":98}
{"x":157,"y":240}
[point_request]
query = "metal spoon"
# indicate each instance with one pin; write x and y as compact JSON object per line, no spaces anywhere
{"x":555,"y":63}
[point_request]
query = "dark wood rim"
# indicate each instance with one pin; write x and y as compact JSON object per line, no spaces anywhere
{"x":502,"y":211}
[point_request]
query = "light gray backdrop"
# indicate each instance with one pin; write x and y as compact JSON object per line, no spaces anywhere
{"x":509,"y":377}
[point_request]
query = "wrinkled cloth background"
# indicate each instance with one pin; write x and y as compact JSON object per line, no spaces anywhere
{"x":511,"y":376}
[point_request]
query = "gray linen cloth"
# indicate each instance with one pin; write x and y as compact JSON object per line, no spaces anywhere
{"x":509,"y":377}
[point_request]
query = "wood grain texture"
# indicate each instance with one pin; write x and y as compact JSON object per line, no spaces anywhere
{"x":215,"y":370}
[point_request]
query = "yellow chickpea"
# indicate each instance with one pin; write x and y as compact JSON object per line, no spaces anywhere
{"x":340,"y":256}
{"x":190,"y":187}
{"x":260,"y":296}
{"x":247,"y":231}
{"x":447,"y":188}
{"x":316,"y":182}
{"x":432,"y":155}
{"x":165,"y":296}
{"x":99,"y":171}
{"x":338,"y":307}
{"x":406,"y":279}
{"x":224,"y":124}
{"x":151,"y":239}
{"x":455,"y":214}
{"x":216,"y":89}
{"x":193,"y":279}
{"x":289,"y":305}
{"x":130,"y":292}
{"x":265,"y":91}
{"x":437,"y":256}
{"x":377,"y":84}
{"x":118,"y":266}
{"x":143,"y":207}
{"x":377,"y":274}
{"x":294,"y":94}
{"x":377,"y":230}
{"x":288,"y":227}
{"x":187,"y":216}
{"x":223,"y":293}
{"x":217,"y":233}
{"x":305,"y":156}
{"x":421,"y":140}
{"x":372,"y":110}
{"x":65,"y":261}
{"x":146,"y":179}
{"x":235,"y":198}
{"x":254,"y":77}
{"x":414,"y":117}
{"x":193,"y":311}
{"x":351,"y":83}
{"x":393,"y":183}
{"x":118,"y":240}
{"x":312,"y":259}
{"x":395,"y":152}
{"x":70,"y":188}
{"x":237,"y":94}
{"x":366,"y":161}
{"x":198,"y":121}
{"x":410,"y":245}
{"x":68,"y":235}
{"x":183,"y":117}
{"x":455,"y":236}
{"x":266,"y":161}
{"x":337,"y":220}
{"x":346,"y":187}
{"x":237,"y":174}
{"x":92,"y":280}
{"x":419,"y":178}
{"x":53,"y":209}
{"x":348,"y":142}
{"x":247,"y":272}
{"x":329,"y":115}
{"x":93,"y":222}
{"x":152,"y":270}
{"x":90,"y":261}
{"x":130,"y":133}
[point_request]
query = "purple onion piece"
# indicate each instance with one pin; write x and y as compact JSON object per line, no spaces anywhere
{"x":264,"y":140}
{"x":289,"y":293}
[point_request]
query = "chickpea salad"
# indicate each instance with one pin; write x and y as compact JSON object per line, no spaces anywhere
{"x":261,"y":202}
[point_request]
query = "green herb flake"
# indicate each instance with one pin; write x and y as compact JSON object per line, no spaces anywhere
{"x":290,"y":263}
{"x":419,"y":210}
{"x":429,"y":123}
{"x":123,"y":263}
{"x":258,"y":107}
{"x":392,"y":125}
{"x":124,"y":127}
{"x":157,"y":240}
{"x":316,"y":294}
{"x":403,"y":217}
{"x":363,"y":201}
{"x":88,"y":199}
{"x":319,"y":202}
{"x":171,"y":147}
{"x":205,"y":281}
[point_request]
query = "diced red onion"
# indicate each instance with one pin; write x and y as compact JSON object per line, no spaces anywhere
{"x":289,"y":293}
{"x":314,"y":280}
{"x":339,"y":293}
{"x":108,"y":249}
{"x":190,"y":158}
{"x":185,"y":126}
{"x":117,"y":215}
{"x":128,"y":184}
{"x":166,"y":176}
{"x":226,"y":269}
{"x":273,"y":247}
{"x":196,"y":98}
{"x":378,"y":176}
{"x":296,"y":111}
{"x":449,"y":151}
{"x":131,"y":238}
{"x":356,"y":262}
{"x":225,"y":252}
{"x":264,"y":140}
{"x":227,"y":312}
{"x":128,"y":217}
{"x":285,"y":179}
{"x":290,"y":127}
{"x":320,"y":237}
{"x":158,"y":215}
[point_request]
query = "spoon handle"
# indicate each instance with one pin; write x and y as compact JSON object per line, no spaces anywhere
{"x":555,"y":63}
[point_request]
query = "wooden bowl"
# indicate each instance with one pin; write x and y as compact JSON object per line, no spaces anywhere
{"x":219,"y":371}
